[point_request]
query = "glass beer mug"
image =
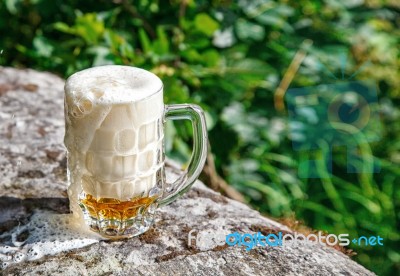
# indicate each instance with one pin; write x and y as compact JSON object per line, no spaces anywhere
{"x":114,"y":135}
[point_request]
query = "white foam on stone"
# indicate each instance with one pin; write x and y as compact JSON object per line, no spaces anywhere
{"x":46,"y":234}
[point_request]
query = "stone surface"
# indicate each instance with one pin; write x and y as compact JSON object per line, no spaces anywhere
{"x":32,"y":177}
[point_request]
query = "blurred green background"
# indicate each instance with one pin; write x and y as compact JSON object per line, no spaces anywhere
{"x":230,"y":57}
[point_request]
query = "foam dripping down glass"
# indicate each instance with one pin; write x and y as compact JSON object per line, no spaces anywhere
{"x":114,"y":135}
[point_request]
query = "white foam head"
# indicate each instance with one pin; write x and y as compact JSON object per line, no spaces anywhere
{"x":119,"y":84}
{"x":91,"y":94}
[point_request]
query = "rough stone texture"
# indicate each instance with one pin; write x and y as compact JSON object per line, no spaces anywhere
{"x":32,"y":176}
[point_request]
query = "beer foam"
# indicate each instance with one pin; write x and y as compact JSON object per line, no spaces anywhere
{"x":113,"y":84}
{"x":108,"y":95}
{"x":45,"y":234}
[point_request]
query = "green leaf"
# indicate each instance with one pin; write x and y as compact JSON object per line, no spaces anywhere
{"x":42,"y":46}
{"x":62,"y":27}
{"x":161,"y":45}
{"x":210,"y":119}
{"x":205,"y":24}
{"x":89,"y":27}
{"x":113,"y":39}
{"x":191,"y":55}
{"x":13,"y":5}
{"x":251,"y":67}
{"x":144,"y":41}
{"x":198,"y":42}
{"x":270,"y":18}
{"x":126,"y":50}
{"x":163,"y":38}
{"x":322,"y":210}
{"x":211,"y":58}
{"x":102,"y":55}
{"x":247,"y":30}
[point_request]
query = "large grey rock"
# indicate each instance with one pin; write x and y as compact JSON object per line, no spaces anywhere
{"x":32,"y":177}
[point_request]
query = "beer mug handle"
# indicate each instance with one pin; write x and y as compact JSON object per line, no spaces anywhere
{"x":195,"y":114}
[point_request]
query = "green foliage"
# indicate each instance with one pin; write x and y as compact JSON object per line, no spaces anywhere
{"x":229,"y":57}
